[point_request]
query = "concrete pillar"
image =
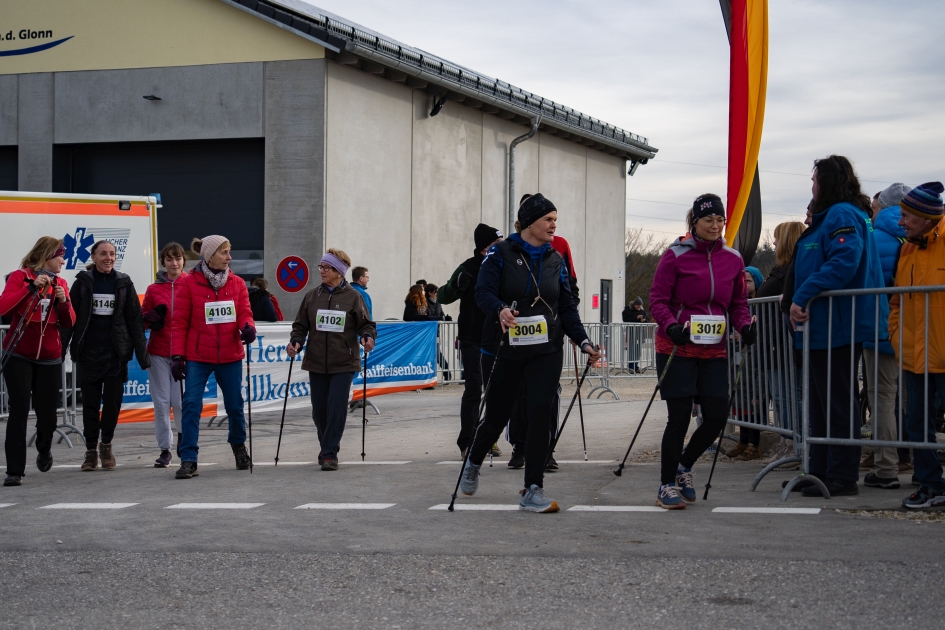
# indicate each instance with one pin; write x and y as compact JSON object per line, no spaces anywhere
{"x":8,"y":109}
{"x":36,"y":127}
{"x":295,"y":170}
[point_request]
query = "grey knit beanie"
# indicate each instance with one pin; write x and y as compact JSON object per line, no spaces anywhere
{"x":893,"y":195}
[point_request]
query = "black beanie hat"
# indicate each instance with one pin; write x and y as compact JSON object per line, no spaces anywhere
{"x":485,"y":236}
{"x":533,"y":208}
{"x":707,"y":205}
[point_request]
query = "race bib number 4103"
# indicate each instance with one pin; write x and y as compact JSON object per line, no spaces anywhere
{"x":330,"y":321}
{"x":707,"y":329}
{"x":223,"y":312}
{"x":528,"y":331}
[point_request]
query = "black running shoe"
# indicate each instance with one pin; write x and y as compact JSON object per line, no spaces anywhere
{"x":552,"y":465}
{"x":329,"y":463}
{"x":518,"y":457}
{"x":164,"y":460}
{"x":875,"y":481}
{"x":243,"y":462}
{"x":44,"y":461}
{"x":13,"y":480}
{"x":921,"y":499}
{"x":186,"y":470}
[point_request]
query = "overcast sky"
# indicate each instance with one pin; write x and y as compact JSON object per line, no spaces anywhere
{"x":862,"y":78}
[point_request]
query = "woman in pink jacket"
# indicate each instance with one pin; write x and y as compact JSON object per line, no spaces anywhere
{"x":159,"y":302}
{"x":213,"y":322}
{"x":698,"y":291}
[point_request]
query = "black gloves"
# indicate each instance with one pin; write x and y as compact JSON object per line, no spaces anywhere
{"x":179,"y":368}
{"x":750,"y":334}
{"x":678,"y":334}
{"x":155,"y":317}
{"x":248,"y":334}
{"x":448,"y":318}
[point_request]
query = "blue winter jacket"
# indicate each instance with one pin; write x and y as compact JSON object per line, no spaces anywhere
{"x":366,"y":298}
{"x":838,"y":251}
{"x":889,"y":238}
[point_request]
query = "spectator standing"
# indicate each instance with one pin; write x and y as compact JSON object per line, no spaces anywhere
{"x":749,"y":440}
{"x":262,"y":302}
{"x":634,"y":313}
{"x":921,"y":263}
{"x":415,"y":305}
{"x":434,"y":309}
{"x":359,"y":281}
{"x":881,"y":370}
{"x":838,"y":251}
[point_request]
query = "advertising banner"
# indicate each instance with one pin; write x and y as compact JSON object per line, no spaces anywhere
{"x":403,"y":360}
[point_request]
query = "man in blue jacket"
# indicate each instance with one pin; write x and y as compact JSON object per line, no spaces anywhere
{"x":837,"y":251}
{"x":360,"y":278}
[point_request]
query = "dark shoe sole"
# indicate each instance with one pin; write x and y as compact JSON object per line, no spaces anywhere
{"x":190,"y":476}
{"x":886,"y":484}
{"x":44,"y":467}
{"x":681,"y":506}
{"x":329,"y":465}
{"x":516,"y":465}
{"x":17,"y":481}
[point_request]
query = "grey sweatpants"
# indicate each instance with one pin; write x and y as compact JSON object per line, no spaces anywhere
{"x":165,"y":392}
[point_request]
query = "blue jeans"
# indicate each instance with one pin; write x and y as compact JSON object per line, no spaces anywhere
{"x":229,"y":379}
{"x":330,"y":409}
{"x":924,"y":461}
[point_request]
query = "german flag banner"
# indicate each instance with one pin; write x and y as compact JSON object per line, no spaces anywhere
{"x":747,"y":21}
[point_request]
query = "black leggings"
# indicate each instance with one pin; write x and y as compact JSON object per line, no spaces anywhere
{"x":540,"y":376}
{"x":107,"y":394}
{"x":30,"y":381}
{"x":714,"y":417}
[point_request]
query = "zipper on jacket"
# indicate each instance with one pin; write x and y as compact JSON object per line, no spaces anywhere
{"x":711,"y":279}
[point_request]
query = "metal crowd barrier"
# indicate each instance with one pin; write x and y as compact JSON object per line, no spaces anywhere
{"x":833,"y":431}
{"x":67,"y":410}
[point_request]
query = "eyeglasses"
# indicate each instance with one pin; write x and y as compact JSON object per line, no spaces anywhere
{"x":325,"y":268}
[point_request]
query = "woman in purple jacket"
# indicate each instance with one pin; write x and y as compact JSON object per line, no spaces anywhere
{"x":698,"y":291}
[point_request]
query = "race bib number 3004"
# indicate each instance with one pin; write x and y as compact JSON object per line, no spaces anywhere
{"x":223,"y":312}
{"x":707,"y":329}
{"x":330,"y":321}
{"x":103,"y":303}
{"x":528,"y":331}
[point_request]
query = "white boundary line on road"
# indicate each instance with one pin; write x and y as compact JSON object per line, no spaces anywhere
{"x":482,"y":507}
{"x":616,"y":508}
{"x":560,"y":461}
{"x":391,"y":463}
{"x":283,"y":463}
{"x":765,"y":510}
{"x":345,"y":506}
{"x":3,"y":505}
{"x":86,"y":506}
{"x":214,"y":506}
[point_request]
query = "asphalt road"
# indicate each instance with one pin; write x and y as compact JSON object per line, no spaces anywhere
{"x":403,"y":564}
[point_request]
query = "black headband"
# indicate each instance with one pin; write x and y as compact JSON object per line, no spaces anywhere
{"x":707,"y":205}
{"x":534,"y":208}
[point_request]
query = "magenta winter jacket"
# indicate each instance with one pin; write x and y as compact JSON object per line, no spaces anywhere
{"x":698,"y":278}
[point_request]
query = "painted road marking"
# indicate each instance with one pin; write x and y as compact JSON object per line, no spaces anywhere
{"x":213,"y":506}
{"x":763,"y":510}
{"x":345,"y":506}
{"x":282,"y":463}
{"x":379,"y":463}
{"x":560,"y":461}
{"x":3,"y":505}
{"x":616,"y":508}
{"x":86,"y":506}
{"x":67,"y":465}
{"x":482,"y":507}
{"x":459,"y":461}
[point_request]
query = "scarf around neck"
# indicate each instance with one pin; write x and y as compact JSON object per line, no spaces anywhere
{"x":216,"y":278}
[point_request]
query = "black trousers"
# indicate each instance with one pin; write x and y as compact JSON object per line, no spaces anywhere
{"x":539,"y":375}
{"x":28,"y":381}
{"x":834,"y":462}
{"x":104,"y":394}
{"x":518,"y":422}
{"x":714,"y":417}
{"x":472,"y":393}
{"x":330,"y":409}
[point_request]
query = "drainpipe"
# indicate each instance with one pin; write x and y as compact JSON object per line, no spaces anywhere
{"x":512,"y":204}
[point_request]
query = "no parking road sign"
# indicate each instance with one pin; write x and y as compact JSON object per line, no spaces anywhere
{"x":292,"y":274}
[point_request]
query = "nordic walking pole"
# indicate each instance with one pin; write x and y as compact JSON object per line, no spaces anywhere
{"x":580,"y":406}
{"x":284,"y":404}
{"x":659,"y":382}
{"x":482,"y":407}
{"x":731,"y":401}
{"x":249,"y":401}
{"x":364,"y":406}
{"x":570,"y":407}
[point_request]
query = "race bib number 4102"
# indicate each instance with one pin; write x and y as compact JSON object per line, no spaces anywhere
{"x":223,"y":312}
{"x":707,"y":329}
{"x":528,"y":331}
{"x":103,"y":303}
{"x":330,"y":321}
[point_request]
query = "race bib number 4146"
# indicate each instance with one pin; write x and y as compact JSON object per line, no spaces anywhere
{"x":103,"y":303}
{"x":223,"y":312}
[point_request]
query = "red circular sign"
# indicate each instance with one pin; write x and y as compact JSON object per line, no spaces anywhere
{"x":292,"y":274}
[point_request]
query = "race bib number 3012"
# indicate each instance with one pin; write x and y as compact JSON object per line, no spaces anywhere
{"x":528,"y":331}
{"x":223,"y":312}
{"x":330,"y":321}
{"x":707,"y":329}
{"x":103,"y":303}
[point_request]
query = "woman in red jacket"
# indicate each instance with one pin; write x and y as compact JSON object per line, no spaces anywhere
{"x":213,"y":321}
{"x":159,"y":302}
{"x":34,"y":367}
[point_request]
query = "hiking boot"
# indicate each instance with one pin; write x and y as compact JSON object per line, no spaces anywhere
{"x":91,"y":460}
{"x":534,"y":500}
{"x":875,"y":481}
{"x":751,"y":452}
{"x":518,"y":457}
{"x":552,"y":465}
{"x":105,"y":454}
{"x":13,"y":480}
{"x":922,"y":498}
{"x":242,"y":457}
{"x":684,"y":485}
{"x":868,"y":462}
{"x":469,"y":482}
{"x":738,"y":450}
{"x":836,"y":488}
{"x":44,"y":461}
{"x":669,"y":498}
{"x":186,"y":470}
{"x":164,"y":460}
{"x":494,"y":451}
{"x":329,"y":463}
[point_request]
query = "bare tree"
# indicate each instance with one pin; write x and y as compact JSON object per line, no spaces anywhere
{"x":642,"y":254}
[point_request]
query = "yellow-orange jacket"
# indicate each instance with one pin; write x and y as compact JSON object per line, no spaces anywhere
{"x":920,"y":267}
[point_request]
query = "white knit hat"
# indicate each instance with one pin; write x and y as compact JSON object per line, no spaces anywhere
{"x":210,"y":244}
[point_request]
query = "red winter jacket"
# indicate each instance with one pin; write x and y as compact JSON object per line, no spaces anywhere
{"x":196,"y":340}
{"x":164,"y":291}
{"x":13,"y":302}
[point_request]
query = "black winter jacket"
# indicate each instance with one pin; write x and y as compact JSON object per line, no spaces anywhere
{"x":462,"y":287}
{"x":631,"y":316}
{"x":127,"y":322}
{"x":260,"y":301}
